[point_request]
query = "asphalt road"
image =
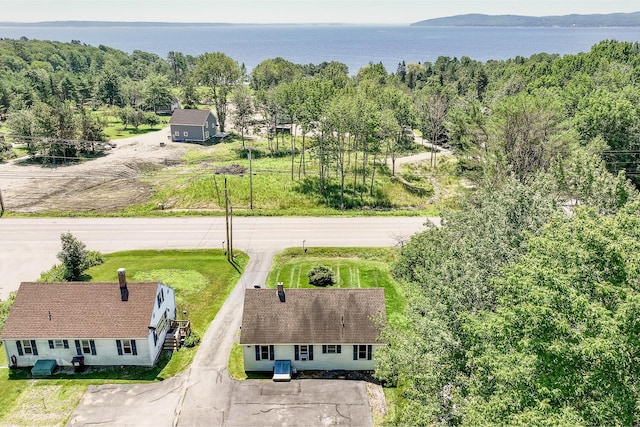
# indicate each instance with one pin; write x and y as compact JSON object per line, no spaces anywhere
{"x":29,"y":246}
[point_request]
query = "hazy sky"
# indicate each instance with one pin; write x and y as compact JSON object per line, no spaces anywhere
{"x":292,"y":11}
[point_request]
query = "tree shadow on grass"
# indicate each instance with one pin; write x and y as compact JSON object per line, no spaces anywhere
{"x":355,"y":197}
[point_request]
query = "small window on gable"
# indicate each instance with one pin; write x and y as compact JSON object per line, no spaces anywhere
{"x":185,"y":133}
{"x":177,"y":133}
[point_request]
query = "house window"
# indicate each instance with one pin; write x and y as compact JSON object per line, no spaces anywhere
{"x":160,"y":297}
{"x":332,"y":349}
{"x":176,"y":133}
{"x":58,"y":344}
{"x":185,"y":133}
{"x":85,"y":347}
{"x":26,"y":347}
{"x":362,"y":352}
{"x":303,"y":352}
{"x":125,"y":347}
{"x":265,"y":352}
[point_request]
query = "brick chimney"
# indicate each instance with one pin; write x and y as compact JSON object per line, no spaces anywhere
{"x":281,"y":291}
{"x":124,"y":291}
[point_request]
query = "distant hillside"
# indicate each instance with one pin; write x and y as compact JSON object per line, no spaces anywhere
{"x":479,"y":20}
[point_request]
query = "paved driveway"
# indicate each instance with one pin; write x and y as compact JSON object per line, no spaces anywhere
{"x":299,"y":403}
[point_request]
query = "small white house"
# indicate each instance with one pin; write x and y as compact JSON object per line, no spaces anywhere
{"x":116,"y":323}
{"x":315,"y":329}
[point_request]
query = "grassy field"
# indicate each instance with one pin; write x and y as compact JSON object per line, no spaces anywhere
{"x":202,"y":280}
{"x":115,"y":129}
{"x":198,"y":185}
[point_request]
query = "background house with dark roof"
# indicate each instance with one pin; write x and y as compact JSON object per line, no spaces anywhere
{"x":115,"y":323}
{"x":192,"y":125}
{"x":317,"y":329}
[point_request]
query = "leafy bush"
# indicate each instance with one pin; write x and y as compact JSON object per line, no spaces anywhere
{"x":94,"y":258}
{"x":5,"y":306}
{"x":321,"y":276}
{"x":54,"y":274}
{"x":192,"y":340}
{"x":73,"y":256}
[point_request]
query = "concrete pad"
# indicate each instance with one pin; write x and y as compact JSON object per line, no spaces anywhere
{"x":306,"y":402}
{"x":129,"y":404}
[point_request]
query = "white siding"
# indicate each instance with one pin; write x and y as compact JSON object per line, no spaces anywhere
{"x":106,"y":353}
{"x":168,"y":306}
{"x":343,"y":360}
{"x":106,"y":348}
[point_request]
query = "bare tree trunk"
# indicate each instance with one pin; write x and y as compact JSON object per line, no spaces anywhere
{"x":373,"y":175}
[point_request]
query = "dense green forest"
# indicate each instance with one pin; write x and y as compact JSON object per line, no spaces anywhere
{"x":522,"y":308}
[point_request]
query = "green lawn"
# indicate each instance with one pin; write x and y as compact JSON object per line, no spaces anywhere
{"x":352,"y":268}
{"x":202,"y":278}
{"x":115,"y":129}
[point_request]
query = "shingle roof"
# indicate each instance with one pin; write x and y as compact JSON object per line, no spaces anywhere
{"x":80,"y":310}
{"x":314,"y":316}
{"x":189,"y":117}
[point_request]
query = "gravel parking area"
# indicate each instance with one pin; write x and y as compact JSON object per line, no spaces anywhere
{"x":102,"y":184}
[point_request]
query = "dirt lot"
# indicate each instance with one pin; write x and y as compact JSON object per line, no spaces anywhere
{"x":103,"y":184}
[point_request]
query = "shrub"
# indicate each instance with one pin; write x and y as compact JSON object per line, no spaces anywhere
{"x":54,"y":274}
{"x":321,"y":276}
{"x":94,"y":258}
{"x":73,"y":256}
{"x":192,"y":340}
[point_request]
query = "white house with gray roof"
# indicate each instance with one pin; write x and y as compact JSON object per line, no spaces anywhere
{"x":316,"y":329}
{"x":114,"y":323}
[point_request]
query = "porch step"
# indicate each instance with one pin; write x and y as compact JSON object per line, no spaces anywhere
{"x":170,"y":343}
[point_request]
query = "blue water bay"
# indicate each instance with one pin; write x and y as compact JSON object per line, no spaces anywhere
{"x":354,"y":45}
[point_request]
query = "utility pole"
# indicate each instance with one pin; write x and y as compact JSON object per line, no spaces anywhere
{"x":250,"y":182}
{"x":1,"y":202}
{"x":226,"y":211}
{"x":231,"y":229}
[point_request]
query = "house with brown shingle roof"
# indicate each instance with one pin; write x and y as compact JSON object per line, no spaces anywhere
{"x":192,"y":125}
{"x":113,"y":323}
{"x":315,"y":329}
